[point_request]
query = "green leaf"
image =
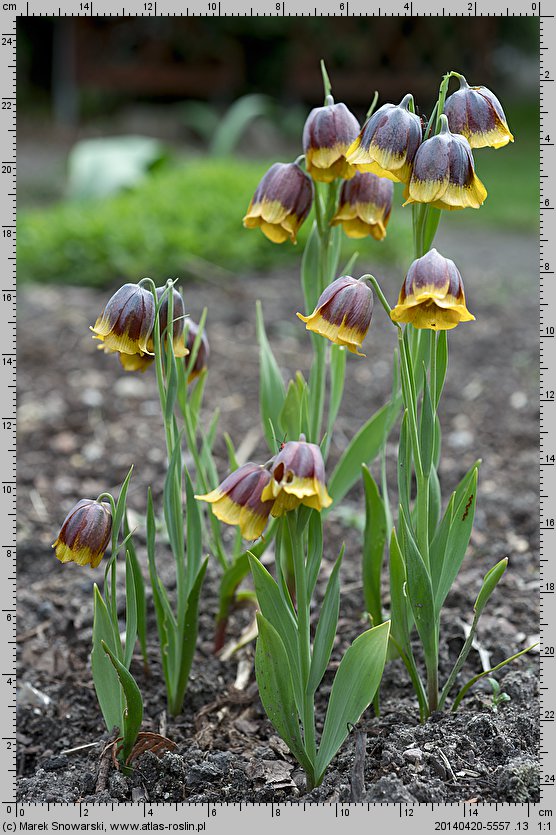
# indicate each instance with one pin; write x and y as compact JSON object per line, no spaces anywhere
{"x":133,"y":711}
{"x":276,"y":690}
{"x":130,"y":611}
{"x":338,"y":356}
{"x":458,"y":540}
{"x":326,"y":628}
{"x":362,"y":449}
{"x":355,"y":685}
{"x":374,"y":540}
{"x":194,"y":534}
{"x":314,"y":551}
{"x":490,"y":581}
{"x":404,"y":463}
{"x":239,"y":569}
{"x":121,"y":506}
{"x":310,"y":270}
{"x":290,"y":416}
{"x":277,"y":613}
{"x":165,"y":620}
{"x":441,"y":364}
{"x":419,"y":590}
{"x":187,"y":639}
{"x":271,"y":389}
{"x":173,"y":510}
{"x":426,"y":428}
{"x":140,"y":597}
{"x":232,"y":459}
{"x":435,"y":501}
{"x":105,"y":679}
{"x":476,"y":678}
{"x":437,"y":549}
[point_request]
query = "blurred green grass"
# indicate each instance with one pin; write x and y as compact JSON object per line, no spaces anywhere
{"x":185,"y":221}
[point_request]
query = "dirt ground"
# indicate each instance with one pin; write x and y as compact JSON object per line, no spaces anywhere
{"x":83,"y":421}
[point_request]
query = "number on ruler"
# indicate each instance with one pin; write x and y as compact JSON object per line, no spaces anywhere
{"x":6,"y":105}
{"x":7,"y":41}
{"x":7,"y":488}
{"x":6,"y":169}
{"x":148,"y":7}
{"x":6,"y":424}
{"x":6,"y":297}
{"x":84,"y":7}
{"x":6,"y":233}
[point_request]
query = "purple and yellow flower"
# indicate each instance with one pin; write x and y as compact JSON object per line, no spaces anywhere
{"x":238,"y":500}
{"x":297,"y":477}
{"x":343,"y":313}
{"x":432,"y":295}
{"x":388,"y":142}
{"x":328,"y":133}
{"x":364,"y":206}
{"x":85,"y":533}
{"x":476,"y":113}
{"x":140,"y":362}
{"x":444,"y":173}
{"x":281,"y":202}
{"x":127,"y":321}
{"x":201,"y":360}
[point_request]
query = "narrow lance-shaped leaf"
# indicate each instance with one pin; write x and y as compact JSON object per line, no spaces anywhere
{"x":310,"y":269}
{"x":271,"y":389}
{"x":441,"y":364}
{"x":404,"y":464}
{"x":426,"y":428}
{"x":374,"y":540}
{"x":276,"y":690}
{"x":314,"y":551}
{"x":105,"y":679}
{"x":188,"y":641}
{"x":337,"y":373}
{"x":290,"y":416}
{"x":130,"y":610}
{"x":193,"y":534}
{"x":326,"y":628}
{"x":354,"y":687}
{"x":173,"y":512}
{"x":458,"y":540}
{"x":133,"y":711}
{"x":140,"y":596}
{"x":419,"y":589}
{"x":120,"y":507}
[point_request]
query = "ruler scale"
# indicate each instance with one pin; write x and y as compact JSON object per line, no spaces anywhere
{"x":249,"y":817}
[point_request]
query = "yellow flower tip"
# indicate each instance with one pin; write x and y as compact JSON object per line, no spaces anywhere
{"x":281,"y":202}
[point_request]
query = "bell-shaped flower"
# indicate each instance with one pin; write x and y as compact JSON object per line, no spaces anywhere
{"x":328,"y":133}
{"x":238,"y":500}
{"x":297,"y":477}
{"x":127,"y":321}
{"x":364,"y":206}
{"x":140,"y":362}
{"x":281,"y":202}
{"x":476,"y":113}
{"x":343,"y":313}
{"x":444,"y":173}
{"x":388,"y":142}
{"x":201,"y":360}
{"x":85,"y":533}
{"x":432,"y":295}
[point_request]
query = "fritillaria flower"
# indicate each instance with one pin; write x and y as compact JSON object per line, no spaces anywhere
{"x":364,"y":206}
{"x":343,"y":313}
{"x":127,"y":321}
{"x":281,"y":202}
{"x":444,"y":173}
{"x":140,"y":362}
{"x":297,"y":477}
{"x":238,"y":500}
{"x":388,"y":142}
{"x":328,"y":133}
{"x":85,"y":533}
{"x":432,"y":295}
{"x":476,"y":113}
{"x":201,"y":360}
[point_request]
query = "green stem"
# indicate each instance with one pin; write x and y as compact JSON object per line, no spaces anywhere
{"x":466,"y":649}
{"x":304,"y":634}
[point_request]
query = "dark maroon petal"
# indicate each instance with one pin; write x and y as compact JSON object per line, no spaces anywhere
{"x":329,"y":126}
{"x":339,"y":284}
{"x":289,"y":185}
{"x":201,"y":360}
{"x":432,"y":159}
{"x":393,"y":128}
{"x":254,"y":501}
{"x":460,"y":161}
{"x":366,"y":187}
{"x":178,"y":312}
{"x":433,"y":269}
{"x":231,"y":481}
{"x":88,"y":524}
{"x":353,"y":304}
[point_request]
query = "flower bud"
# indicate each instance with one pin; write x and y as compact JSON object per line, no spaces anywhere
{"x":388,"y":142}
{"x":444,"y":173}
{"x":127,"y":321}
{"x":85,"y":534}
{"x":328,"y":133}
{"x":201,"y":360}
{"x":432,"y":295}
{"x":140,"y":362}
{"x":297,"y":477}
{"x":281,"y":202}
{"x":238,"y":500}
{"x":343,"y":313}
{"x":365,"y":205}
{"x":476,"y":113}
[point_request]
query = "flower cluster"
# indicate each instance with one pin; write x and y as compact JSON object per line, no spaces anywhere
{"x":248,"y":496}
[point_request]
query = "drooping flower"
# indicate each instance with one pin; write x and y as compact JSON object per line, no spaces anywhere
{"x":201,"y":360}
{"x":281,"y":202}
{"x":238,"y":500}
{"x":444,"y":173}
{"x":140,"y":362}
{"x":388,"y":142}
{"x":85,"y":533}
{"x":297,"y":477}
{"x":364,"y":206}
{"x":343,"y":313}
{"x":476,"y":113}
{"x":127,"y":321}
{"x":432,"y":295}
{"x":328,"y":133}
